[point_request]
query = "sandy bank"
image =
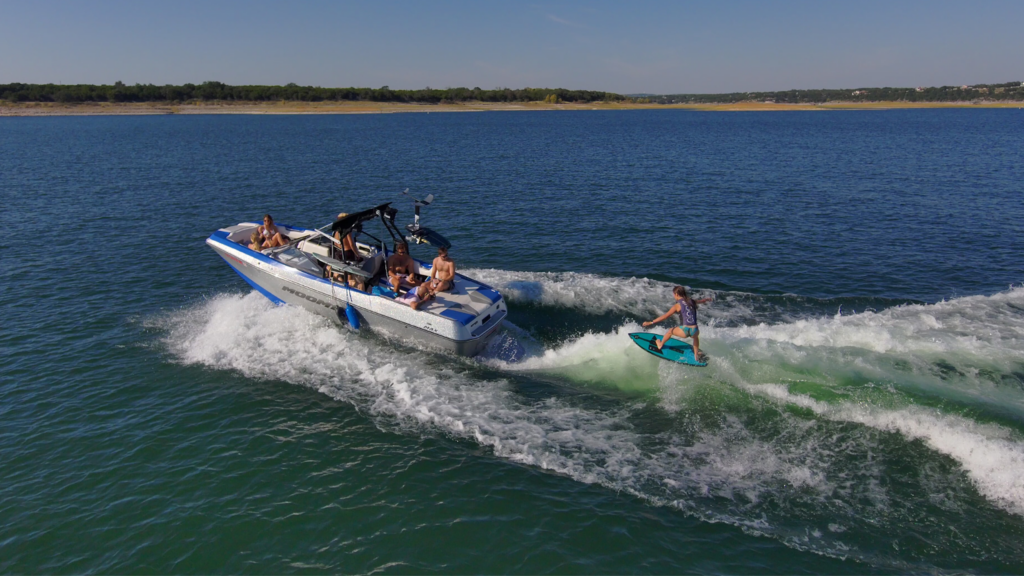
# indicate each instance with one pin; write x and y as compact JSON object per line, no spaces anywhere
{"x":152,"y":108}
{"x":767,"y":107}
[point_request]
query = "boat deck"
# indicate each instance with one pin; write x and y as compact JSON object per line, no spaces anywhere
{"x":465,"y":301}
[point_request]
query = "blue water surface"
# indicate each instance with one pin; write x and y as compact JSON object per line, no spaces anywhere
{"x":863,"y":410}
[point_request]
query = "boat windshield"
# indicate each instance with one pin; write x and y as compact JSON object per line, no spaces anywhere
{"x":298,"y":259}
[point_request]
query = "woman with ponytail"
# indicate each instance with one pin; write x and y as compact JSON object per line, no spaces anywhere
{"x":686,"y":307}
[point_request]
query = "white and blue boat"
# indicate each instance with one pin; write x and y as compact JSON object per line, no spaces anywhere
{"x":461,"y":320}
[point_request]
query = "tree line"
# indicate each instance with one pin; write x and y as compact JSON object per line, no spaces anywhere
{"x":1013,"y":91}
{"x":218,"y":91}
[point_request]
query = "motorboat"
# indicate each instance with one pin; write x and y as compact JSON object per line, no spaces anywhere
{"x":314,"y":271}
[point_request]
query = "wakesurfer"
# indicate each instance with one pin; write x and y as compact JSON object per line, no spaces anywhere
{"x":686,"y":307}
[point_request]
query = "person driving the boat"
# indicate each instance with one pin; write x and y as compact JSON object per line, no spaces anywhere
{"x":401,"y":268}
{"x":272,"y":235}
{"x":256,"y":242}
{"x":348,"y":244}
{"x":442,"y":275}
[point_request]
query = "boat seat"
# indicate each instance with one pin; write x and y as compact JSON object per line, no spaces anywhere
{"x":314,"y":248}
{"x":372,"y":266}
{"x":239,"y":233}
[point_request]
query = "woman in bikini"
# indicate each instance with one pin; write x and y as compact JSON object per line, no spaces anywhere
{"x":272,"y":236}
{"x":686,"y":307}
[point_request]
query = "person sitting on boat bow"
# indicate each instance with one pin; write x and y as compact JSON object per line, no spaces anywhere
{"x":442,"y":275}
{"x":272,"y":235}
{"x":402,"y":268}
{"x":256,"y":242}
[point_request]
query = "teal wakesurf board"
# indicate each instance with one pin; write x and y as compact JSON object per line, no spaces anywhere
{"x":673,"y":350}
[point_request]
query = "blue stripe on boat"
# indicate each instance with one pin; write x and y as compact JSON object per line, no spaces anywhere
{"x":460,"y":317}
{"x":258,"y":288}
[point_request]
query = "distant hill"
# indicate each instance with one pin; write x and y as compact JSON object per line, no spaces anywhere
{"x":1008,"y":91}
{"x":218,"y":91}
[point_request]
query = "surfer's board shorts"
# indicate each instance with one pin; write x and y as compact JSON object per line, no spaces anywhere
{"x":690,"y":331}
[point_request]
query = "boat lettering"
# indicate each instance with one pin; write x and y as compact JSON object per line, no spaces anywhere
{"x":312,"y":299}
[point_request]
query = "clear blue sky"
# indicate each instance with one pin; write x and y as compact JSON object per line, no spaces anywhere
{"x":625,"y":47}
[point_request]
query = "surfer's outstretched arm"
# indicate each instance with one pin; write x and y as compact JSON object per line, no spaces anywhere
{"x":673,"y":310}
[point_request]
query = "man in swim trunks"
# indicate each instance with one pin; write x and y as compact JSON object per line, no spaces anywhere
{"x":442,"y":275}
{"x":686,"y":307}
{"x":401,"y":268}
{"x":416,"y":296}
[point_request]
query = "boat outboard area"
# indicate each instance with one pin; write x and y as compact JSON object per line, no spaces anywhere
{"x":315,"y":271}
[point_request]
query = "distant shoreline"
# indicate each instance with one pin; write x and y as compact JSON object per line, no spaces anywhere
{"x":290,"y":108}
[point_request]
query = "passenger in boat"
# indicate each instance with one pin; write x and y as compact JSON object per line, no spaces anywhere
{"x":416,"y":296}
{"x":686,"y":307}
{"x":256,"y":242}
{"x":352,"y":280}
{"x":332,"y":275}
{"x":357,"y":282}
{"x":348,"y":244}
{"x":402,"y":268}
{"x":442,"y":275}
{"x":272,"y":235}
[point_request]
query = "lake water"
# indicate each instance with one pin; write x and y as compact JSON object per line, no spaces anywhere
{"x":863,"y":410}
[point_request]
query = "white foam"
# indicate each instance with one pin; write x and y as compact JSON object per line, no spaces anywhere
{"x":977,"y":325}
{"x":725,"y":471}
{"x":638,"y":297}
{"x":250,"y":335}
{"x":587,"y":348}
{"x":959,"y":332}
{"x":588,"y":293}
{"x":259,"y":340}
{"x":609,"y":359}
{"x":992,"y":455}
{"x":969,"y":350}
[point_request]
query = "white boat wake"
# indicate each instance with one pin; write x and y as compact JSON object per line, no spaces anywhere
{"x":875,"y":418}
